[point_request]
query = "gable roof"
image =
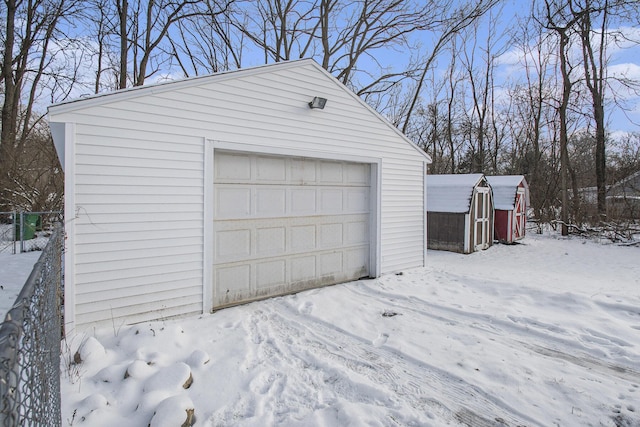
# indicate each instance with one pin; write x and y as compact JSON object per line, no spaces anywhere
{"x":628,"y":186}
{"x":156,"y":88}
{"x":505,"y":188}
{"x":451,"y":193}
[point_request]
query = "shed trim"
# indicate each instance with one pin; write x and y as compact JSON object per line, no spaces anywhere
{"x":208,"y":209}
{"x":467,"y":233}
{"x":282,"y":151}
{"x":375,"y":259}
{"x":70,"y":215}
{"x":425,"y":221}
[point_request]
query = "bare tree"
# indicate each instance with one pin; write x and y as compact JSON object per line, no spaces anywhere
{"x":589,"y":21}
{"x":32,"y":44}
{"x":143,"y":31}
{"x":558,"y":19}
{"x":123,"y":12}
{"x":444,"y":24}
{"x":208,"y":43}
{"x":595,"y":35}
{"x":531,"y":113}
{"x":281,"y":29}
{"x":346,"y":37}
{"x":480,"y":78}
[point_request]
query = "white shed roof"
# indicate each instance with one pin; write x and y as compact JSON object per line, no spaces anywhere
{"x":504,"y":190}
{"x":451,"y":193}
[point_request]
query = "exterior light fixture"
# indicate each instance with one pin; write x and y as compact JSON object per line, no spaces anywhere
{"x":318,"y":102}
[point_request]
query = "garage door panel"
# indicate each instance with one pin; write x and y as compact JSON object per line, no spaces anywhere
{"x":270,"y":202}
{"x":357,"y":173}
{"x":356,"y":232}
{"x":330,"y":173}
{"x":357,"y":261}
{"x":330,"y":200}
{"x":330,"y":263}
{"x":303,"y":201}
{"x":265,"y":201}
{"x":303,"y":268}
{"x":271,"y":169}
{"x":265,"y":237}
{"x":233,"y":244}
{"x":233,"y":202}
{"x":302,"y":238}
{"x":357,"y":200}
{"x":302,"y":171}
{"x":236,"y":278}
{"x":270,"y":241}
{"x":284,"y":224}
{"x":270,"y":273}
{"x":234,"y":167}
{"x":330,"y":235}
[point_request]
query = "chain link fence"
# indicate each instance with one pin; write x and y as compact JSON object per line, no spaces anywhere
{"x":30,"y":345}
{"x":26,"y":231}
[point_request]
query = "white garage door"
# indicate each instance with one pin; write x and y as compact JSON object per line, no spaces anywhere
{"x":285,"y":224}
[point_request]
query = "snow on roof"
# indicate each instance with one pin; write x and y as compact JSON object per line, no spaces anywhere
{"x":451,"y":193}
{"x":504,"y":190}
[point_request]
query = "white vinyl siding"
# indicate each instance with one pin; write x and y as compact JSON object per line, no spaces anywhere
{"x":138,"y":231}
{"x":139,"y":176}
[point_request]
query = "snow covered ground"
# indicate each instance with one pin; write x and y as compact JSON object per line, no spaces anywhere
{"x":14,"y":271}
{"x":545,"y":333}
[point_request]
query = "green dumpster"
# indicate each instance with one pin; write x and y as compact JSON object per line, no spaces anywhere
{"x":29,"y":223}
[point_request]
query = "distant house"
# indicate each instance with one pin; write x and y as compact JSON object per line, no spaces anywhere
{"x":510,"y":200}
{"x":623,"y":197}
{"x":188,"y":196}
{"x":459,"y":213}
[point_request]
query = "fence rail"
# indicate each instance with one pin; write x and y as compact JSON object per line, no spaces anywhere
{"x":30,"y":345}
{"x":26,"y":231}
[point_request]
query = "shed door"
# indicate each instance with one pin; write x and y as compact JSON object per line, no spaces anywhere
{"x":482,"y":227}
{"x":519,"y":215}
{"x":285,"y":224}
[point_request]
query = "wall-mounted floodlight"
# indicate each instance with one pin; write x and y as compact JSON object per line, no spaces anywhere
{"x":318,"y":102}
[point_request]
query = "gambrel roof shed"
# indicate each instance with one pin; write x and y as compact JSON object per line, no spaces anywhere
{"x":452,"y":192}
{"x":511,"y":200}
{"x":505,"y":189}
{"x":459,"y":212}
{"x":188,"y":196}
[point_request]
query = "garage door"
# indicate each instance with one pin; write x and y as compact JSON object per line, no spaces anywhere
{"x":285,"y":224}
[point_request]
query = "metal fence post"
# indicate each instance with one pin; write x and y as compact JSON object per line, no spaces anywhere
{"x":21,"y":225}
{"x":13,"y":232}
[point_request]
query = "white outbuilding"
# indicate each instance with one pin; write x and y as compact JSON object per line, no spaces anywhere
{"x":188,"y":196}
{"x":459,"y":212}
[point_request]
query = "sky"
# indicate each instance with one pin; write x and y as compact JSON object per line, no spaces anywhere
{"x":623,"y":62}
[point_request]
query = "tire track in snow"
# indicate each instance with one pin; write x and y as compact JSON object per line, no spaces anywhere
{"x":587,"y":362}
{"x":414,"y":380}
{"x":509,"y":332}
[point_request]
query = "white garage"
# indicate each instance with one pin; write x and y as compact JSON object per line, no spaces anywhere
{"x":190,"y":196}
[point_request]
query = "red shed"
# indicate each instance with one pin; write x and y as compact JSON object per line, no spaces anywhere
{"x":511,"y":199}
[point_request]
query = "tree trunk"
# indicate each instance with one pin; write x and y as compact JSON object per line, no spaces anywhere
{"x":564,"y":153}
{"x":9,"y":107}
{"x":123,"y":6}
